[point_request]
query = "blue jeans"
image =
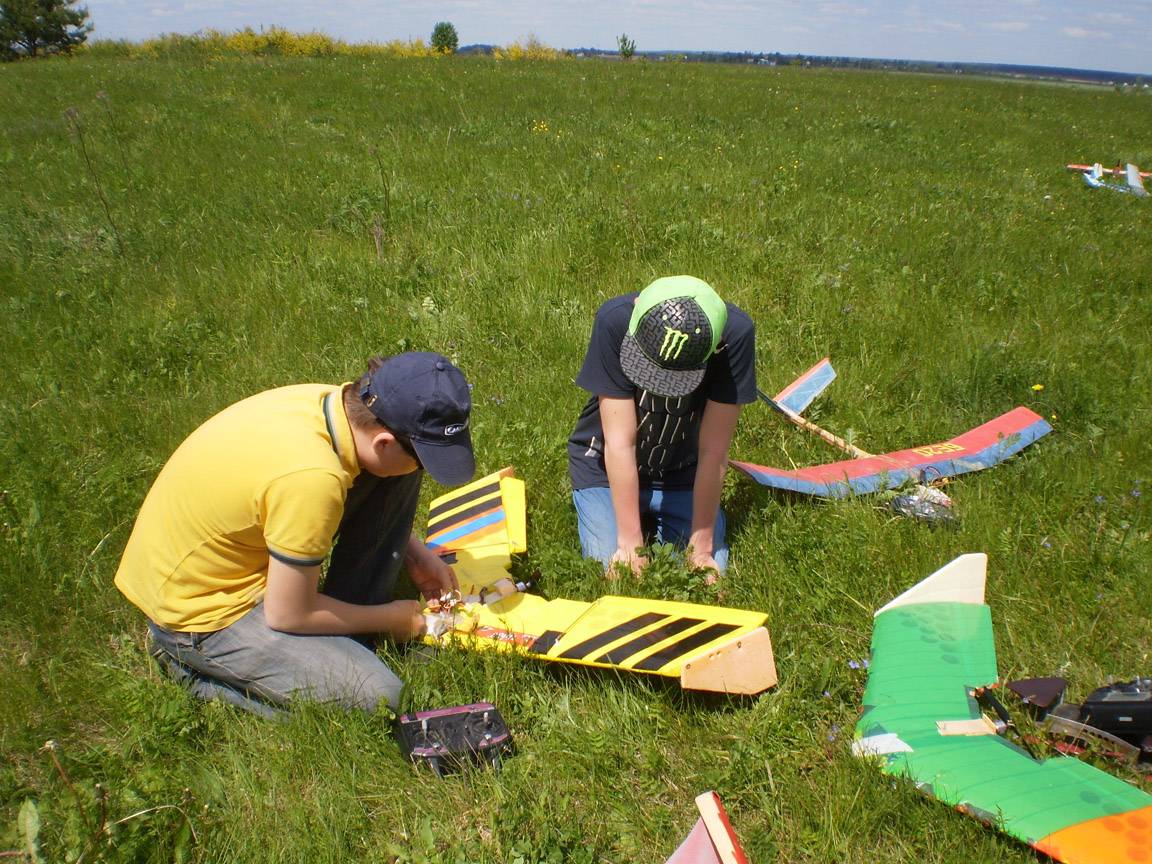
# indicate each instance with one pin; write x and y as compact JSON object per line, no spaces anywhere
{"x":252,"y":666}
{"x":665,"y":517}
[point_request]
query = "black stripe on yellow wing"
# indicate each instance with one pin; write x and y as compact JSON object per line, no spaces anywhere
{"x":644,"y":641}
{"x":437,"y":525}
{"x":545,"y":641}
{"x":687,"y":645}
{"x":601,"y":640}
{"x":460,"y":501}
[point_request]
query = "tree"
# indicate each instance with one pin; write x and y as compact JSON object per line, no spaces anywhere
{"x":627,"y":46}
{"x":32,"y":27}
{"x":444,"y":38}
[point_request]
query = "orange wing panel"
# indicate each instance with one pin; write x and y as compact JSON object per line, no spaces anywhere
{"x":1125,"y":838}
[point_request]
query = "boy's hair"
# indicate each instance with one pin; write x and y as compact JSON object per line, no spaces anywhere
{"x":359,"y":415}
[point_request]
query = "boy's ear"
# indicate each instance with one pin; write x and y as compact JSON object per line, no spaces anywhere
{"x":383,"y":438}
{"x":380,"y":442}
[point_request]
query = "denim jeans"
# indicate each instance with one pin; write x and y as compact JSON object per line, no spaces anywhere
{"x":254,"y":667}
{"x":665,"y":517}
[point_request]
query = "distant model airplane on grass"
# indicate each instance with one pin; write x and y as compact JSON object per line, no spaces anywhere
{"x":478,"y":528}
{"x":979,"y":448}
{"x":933,"y":654}
{"x":1097,"y":176}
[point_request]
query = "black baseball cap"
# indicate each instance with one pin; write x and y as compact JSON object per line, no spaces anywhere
{"x":423,"y":397}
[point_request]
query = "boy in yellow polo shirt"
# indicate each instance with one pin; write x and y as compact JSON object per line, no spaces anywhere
{"x":225,"y":557}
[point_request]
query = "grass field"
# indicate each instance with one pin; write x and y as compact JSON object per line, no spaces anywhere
{"x":202,"y":228}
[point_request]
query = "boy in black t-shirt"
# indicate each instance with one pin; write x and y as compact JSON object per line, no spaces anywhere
{"x":668,"y":370}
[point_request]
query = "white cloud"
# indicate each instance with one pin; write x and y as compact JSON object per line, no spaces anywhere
{"x":1117,"y":18}
{"x":1081,"y":33}
{"x":923,"y":27}
{"x":707,"y":7}
{"x":841,"y":10}
{"x":1008,"y":26}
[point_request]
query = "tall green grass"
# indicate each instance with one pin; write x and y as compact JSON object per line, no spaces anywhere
{"x":920,"y":230}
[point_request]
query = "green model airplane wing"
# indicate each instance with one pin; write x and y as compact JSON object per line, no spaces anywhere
{"x":931,"y":647}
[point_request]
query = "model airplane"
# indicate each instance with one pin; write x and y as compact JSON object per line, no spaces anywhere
{"x":711,"y":840}
{"x":979,"y":448}
{"x":1097,"y":176}
{"x":932,"y":655}
{"x":1103,"y":170}
{"x":478,"y":528}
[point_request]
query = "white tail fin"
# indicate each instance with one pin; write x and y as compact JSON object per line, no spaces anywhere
{"x":1134,"y":182}
{"x":959,"y":581}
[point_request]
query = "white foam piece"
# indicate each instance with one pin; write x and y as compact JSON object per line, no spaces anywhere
{"x":880,"y":745}
{"x":959,"y":581}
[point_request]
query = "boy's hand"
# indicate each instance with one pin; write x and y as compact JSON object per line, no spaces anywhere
{"x":630,"y":559}
{"x":410,"y":623}
{"x":428,"y":571}
{"x":434,"y":577}
{"x":701,"y":561}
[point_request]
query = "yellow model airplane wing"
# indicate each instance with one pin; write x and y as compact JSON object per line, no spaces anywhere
{"x":479,"y":527}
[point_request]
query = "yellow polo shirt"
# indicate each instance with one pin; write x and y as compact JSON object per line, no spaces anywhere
{"x":265,"y":477}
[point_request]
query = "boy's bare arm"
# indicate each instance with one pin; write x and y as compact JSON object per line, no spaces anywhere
{"x":618,"y":417}
{"x":293,"y":604}
{"x":716,"y":430}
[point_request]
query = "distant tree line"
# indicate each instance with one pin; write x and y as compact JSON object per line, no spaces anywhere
{"x":775,"y":58}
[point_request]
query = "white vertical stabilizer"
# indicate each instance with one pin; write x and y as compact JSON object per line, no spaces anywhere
{"x":959,"y":581}
{"x":1134,"y":182}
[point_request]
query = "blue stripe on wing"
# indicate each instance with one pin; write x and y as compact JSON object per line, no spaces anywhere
{"x":466,"y":528}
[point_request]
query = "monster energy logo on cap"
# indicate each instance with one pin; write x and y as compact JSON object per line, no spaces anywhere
{"x":675,"y":327}
{"x":673,"y":344}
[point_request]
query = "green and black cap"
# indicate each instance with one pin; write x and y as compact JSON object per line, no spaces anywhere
{"x":675,"y":328}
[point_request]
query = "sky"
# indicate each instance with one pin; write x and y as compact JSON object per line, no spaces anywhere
{"x":1116,"y":36}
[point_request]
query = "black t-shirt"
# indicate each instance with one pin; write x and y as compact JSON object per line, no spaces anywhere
{"x":668,"y":430}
